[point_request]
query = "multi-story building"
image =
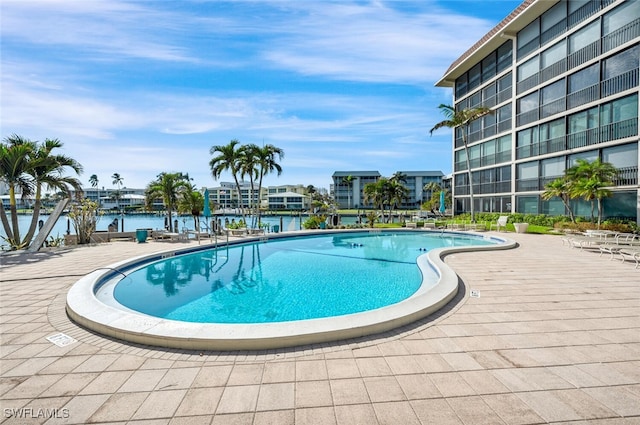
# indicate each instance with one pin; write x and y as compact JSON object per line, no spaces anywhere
{"x":562,"y":80}
{"x":350,"y":194}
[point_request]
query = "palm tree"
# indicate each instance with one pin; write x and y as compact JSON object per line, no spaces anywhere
{"x":396,"y":193}
{"x":266,"y":160}
{"x":590,"y":180}
{"x":348,"y":180}
{"x":47,"y":172}
{"x":375,"y":193}
{"x":93,"y":181}
{"x":191,"y":201}
{"x":228,"y":158}
{"x":14,"y":158}
{"x":249,"y":167}
{"x":462,"y":119}
{"x":27,"y":167}
{"x":167,"y":187}
{"x":560,"y":188}
{"x":117,"y":180}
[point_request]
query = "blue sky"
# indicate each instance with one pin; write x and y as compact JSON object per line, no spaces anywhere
{"x":142,"y":87}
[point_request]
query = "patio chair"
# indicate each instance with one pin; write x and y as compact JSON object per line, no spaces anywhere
{"x":502,"y":222}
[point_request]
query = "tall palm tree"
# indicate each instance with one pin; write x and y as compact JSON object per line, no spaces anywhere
{"x":93,"y":181}
{"x":117,"y":180}
{"x":348,"y":180}
{"x":560,"y":188}
{"x":396,"y":193}
{"x":375,"y":193}
{"x":249,"y":168}
{"x":28,"y":167}
{"x":227,"y":158}
{"x":267,"y":160}
{"x":590,"y":181}
{"x":167,"y":187}
{"x":462,"y":119}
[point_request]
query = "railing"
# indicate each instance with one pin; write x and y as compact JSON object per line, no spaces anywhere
{"x":553,"y":70}
{"x":621,"y":35}
{"x":527,"y":151}
{"x":553,"y":32}
{"x":556,"y":144}
{"x":504,"y":95}
{"x":627,"y":176}
{"x":581,"y":97}
{"x":582,"y":138}
{"x":619,"y":130}
{"x":583,"y":55}
{"x":620,"y":83}
{"x":490,"y":101}
{"x":583,"y":13}
{"x":503,"y":156}
{"x":552,"y":108}
{"x":527,"y":117}
{"x":527,"y":185}
{"x":527,"y":83}
{"x":504,"y":125}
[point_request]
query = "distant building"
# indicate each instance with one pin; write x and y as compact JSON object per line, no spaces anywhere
{"x":288,"y":201}
{"x":351,"y":195}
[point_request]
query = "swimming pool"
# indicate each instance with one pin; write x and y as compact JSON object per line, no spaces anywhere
{"x":274,"y":292}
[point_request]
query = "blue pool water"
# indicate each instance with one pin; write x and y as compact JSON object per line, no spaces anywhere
{"x":285,"y":279}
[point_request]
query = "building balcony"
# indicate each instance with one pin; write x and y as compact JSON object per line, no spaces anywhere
{"x":627,"y":176}
{"x":621,"y":36}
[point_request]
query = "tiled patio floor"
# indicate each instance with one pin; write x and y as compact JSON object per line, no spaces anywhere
{"x":553,"y":337}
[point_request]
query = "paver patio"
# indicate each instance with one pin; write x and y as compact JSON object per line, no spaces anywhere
{"x":553,"y":337}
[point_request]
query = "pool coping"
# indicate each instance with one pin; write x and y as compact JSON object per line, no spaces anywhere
{"x":85,"y":309}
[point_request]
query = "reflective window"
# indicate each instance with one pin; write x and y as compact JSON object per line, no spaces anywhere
{"x":621,"y":63}
{"x":528,"y":68}
{"x":504,"y":56}
{"x":474,"y":77}
{"x":552,"y":130}
{"x":528,"y":103}
{"x":553,"y":92}
{"x":621,"y":156}
{"x":527,"y":137}
{"x":554,"y":15}
{"x":528,"y":170}
{"x":584,"y":37}
{"x":585,"y":78}
{"x":619,"y":110}
{"x":554,"y":54}
{"x":528,"y":33}
{"x":552,"y":167}
{"x":583,"y":120}
{"x":620,"y":16}
{"x":489,"y":67}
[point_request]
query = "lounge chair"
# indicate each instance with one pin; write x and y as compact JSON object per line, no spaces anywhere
{"x":632,"y":252}
{"x":501,"y":222}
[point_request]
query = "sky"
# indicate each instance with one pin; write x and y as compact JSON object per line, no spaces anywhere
{"x":144,"y":87}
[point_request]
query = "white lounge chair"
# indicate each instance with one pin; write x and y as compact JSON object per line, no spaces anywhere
{"x":502,"y":222}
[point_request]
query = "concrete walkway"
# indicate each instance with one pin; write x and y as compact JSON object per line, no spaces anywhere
{"x":553,"y":337}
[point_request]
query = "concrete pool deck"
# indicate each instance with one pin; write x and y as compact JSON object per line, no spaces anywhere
{"x":554,"y":336}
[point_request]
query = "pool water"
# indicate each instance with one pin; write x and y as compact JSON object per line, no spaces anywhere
{"x":285,"y":279}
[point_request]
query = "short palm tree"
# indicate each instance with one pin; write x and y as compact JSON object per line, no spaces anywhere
{"x":560,"y":188}
{"x":167,"y":187}
{"x":590,"y":181}
{"x":462,"y":119}
{"x":191,"y":201}
{"x":28,"y":167}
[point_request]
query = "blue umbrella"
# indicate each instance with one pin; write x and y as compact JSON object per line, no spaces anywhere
{"x":206,"y":211}
{"x":442,"y":207}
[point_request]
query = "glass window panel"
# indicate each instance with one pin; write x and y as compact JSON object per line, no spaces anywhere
{"x":620,"y":16}
{"x":527,"y":137}
{"x":621,"y":63}
{"x":621,"y":156}
{"x":504,"y":173}
{"x":584,"y":37}
{"x":586,"y":78}
{"x":461,"y":85}
{"x":474,"y":152}
{"x":489,"y":148}
{"x":504,"y":56}
{"x":625,"y":108}
{"x":528,"y":170}
{"x":489,"y":120}
{"x":489,"y":67}
{"x":552,"y":167}
{"x":528,"y":103}
{"x":554,"y":54}
{"x":554,"y":15}
{"x":504,"y":144}
{"x":504,"y":82}
{"x":461,"y":155}
{"x":527,"y":204}
{"x":504,"y":113}
{"x":474,"y":77}
{"x":528,"y":68}
{"x":553,"y":92}
{"x":528,"y":33}
{"x":475,"y":100}
{"x":588,"y":156}
{"x":552,"y":130}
